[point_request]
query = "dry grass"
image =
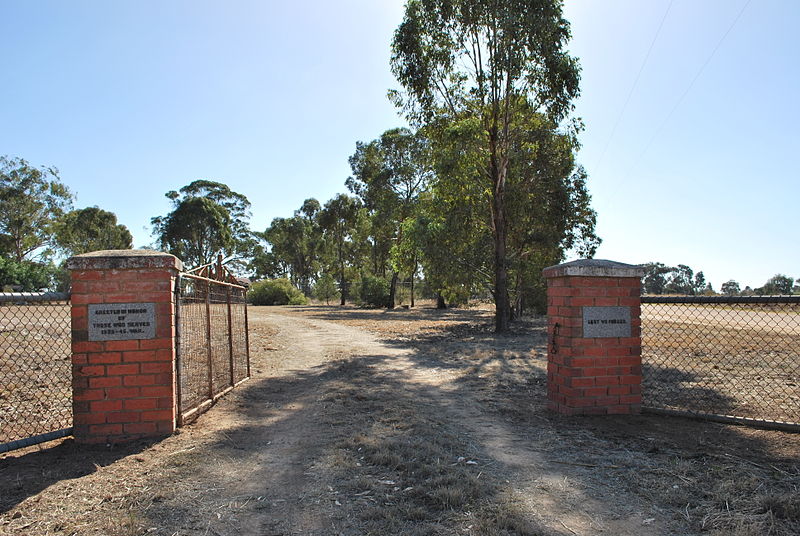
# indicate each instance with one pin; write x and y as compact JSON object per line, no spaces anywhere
{"x":407,"y":468}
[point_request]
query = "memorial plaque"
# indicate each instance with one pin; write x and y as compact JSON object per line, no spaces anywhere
{"x":122,"y":321}
{"x":603,"y":322}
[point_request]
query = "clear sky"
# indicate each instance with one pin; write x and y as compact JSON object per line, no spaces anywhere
{"x":691,"y":111}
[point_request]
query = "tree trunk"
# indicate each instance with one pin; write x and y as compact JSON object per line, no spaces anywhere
{"x":342,"y":284}
{"x":440,"y":303}
{"x":501,"y":301}
{"x":392,"y":291}
{"x":413,"y":275}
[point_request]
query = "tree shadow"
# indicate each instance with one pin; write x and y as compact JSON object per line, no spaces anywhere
{"x":26,"y":472}
{"x":362,"y":445}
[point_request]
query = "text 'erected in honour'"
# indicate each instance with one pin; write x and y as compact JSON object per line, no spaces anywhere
{"x":122,"y":321}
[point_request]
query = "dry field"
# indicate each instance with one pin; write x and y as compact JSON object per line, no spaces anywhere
{"x":740,"y":360}
{"x":35,"y":370}
{"x":407,"y":422}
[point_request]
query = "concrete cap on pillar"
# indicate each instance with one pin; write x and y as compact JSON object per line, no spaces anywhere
{"x":124,"y":259}
{"x":594,"y":268}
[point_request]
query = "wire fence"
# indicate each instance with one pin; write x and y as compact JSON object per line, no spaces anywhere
{"x":35,"y":368}
{"x":212,"y":345}
{"x":725,"y":358}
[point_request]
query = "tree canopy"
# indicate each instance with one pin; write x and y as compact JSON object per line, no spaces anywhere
{"x":90,"y":229}
{"x":207,"y":218}
{"x":486,"y":63}
{"x":31,"y":200}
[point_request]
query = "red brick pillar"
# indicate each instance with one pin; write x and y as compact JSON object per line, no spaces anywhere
{"x":594,"y":355}
{"x":123,"y":345}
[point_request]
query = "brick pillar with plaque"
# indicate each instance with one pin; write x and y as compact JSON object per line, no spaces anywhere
{"x":123,"y":345}
{"x":594,"y":354}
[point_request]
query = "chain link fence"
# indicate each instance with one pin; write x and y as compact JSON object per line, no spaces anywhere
{"x":35,"y":368}
{"x":212,"y":344}
{"x":735,"y":359}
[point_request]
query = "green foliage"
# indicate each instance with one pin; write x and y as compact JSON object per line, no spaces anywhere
{"x":275,"y":292}
{"x":389,"y":175}
{"x":294,"y":246}
{"x":31,"y":200}
{"x":339,"y":221}
{"x":730,"y":288}
{"x":325,"y":289}
{"x":374,"y":291}
{"x":490,"y":68}
{"x":778,"y":284}
{"x":90,"y":229}
{"x":548,"y":209}
{"x":681,"y":279}
{"x":207,"y":218}
{"x":27,"y":276}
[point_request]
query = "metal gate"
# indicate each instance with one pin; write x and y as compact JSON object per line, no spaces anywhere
{"x":212,"y":345}
{"x":35,"y":368}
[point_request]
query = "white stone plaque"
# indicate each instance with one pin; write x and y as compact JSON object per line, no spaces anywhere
{"x":122,"y":321}
{"x":604,"y":322}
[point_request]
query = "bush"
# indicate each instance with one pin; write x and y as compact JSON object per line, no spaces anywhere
{"x":27,"y":276}
{"x":325,"y":289}
{"x":275,"y":292}
{"x":374,"y":291}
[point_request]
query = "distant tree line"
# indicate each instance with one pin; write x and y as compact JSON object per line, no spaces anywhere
{"x":681,"y":279}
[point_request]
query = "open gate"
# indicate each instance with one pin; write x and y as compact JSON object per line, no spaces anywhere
{"x":212,"y":347}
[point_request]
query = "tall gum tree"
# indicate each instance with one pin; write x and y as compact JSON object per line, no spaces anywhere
{"x":479,"y":57}
{"x":31,"y":201}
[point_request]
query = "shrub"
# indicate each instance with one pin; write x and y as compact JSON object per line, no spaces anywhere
{"x":325,"y":289}
{"x":374,"y":291}
{"x":275,"y":292}
{"x":27,"y":276}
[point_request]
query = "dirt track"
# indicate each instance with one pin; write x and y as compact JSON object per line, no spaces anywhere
{"x":361,"y":423}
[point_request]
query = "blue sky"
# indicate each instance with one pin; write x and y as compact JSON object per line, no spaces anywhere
{"x":132,"y":99}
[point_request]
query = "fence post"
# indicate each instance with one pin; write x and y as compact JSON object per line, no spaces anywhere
{"x":123,"y":345}
{"x":594,"y":354}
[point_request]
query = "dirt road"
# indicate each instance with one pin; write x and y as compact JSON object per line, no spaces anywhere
{"x":434,"y":427}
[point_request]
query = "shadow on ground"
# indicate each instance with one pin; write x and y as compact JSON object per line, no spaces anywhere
{"x":459,"y":441}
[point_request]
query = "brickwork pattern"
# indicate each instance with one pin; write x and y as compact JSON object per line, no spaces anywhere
{"x":592,"y":376}
{"x":123,"y":390}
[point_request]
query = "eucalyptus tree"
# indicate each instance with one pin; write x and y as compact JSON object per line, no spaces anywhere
{"x":90,"y":229}
{"x":207,"y":218}
{"x":295,"y":244}
{"x":339,"y":220}
{"x":484,"y":60}
{"x":31,"y":200}
{"x":389,"y":174}
{"x":548,"y":208}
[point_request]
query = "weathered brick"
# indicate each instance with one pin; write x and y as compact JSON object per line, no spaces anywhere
{"x":101,"y":358}
{"x":97,"y":430}
{"x":139,"y":380}
{"x":105,"y":406}
{"x":123,"y":417}
{"x":105,"y":381}
{"x":143,"y":428}
{"x":121,"y":370}
{"x":141,"y":404}
{"x":157,"y":415}
{"x":122,"y":345}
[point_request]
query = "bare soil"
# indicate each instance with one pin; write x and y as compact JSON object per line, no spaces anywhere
{"x":406,"y":422}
